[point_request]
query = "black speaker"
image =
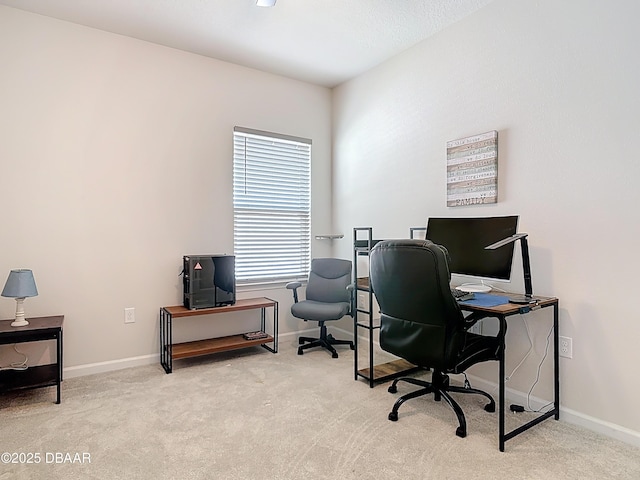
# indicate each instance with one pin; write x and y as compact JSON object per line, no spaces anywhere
{"x":209,"y":281}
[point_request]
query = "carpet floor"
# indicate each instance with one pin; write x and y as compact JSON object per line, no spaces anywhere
{"x":250,"y":414}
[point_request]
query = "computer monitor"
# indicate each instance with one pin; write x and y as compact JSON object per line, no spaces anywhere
{"x":466,"y":239}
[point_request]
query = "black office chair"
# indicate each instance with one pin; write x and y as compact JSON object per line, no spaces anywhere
{"x":328,"y":297}
{"x":422,"y":322}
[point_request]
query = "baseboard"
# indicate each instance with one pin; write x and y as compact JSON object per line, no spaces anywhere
{"x":566,"y":414}
{"x":113,"y":365}
{"x":512,"y":396}
{"x":110,"y":366}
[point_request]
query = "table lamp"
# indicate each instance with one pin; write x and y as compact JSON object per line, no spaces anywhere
{"x":526,"y":267}
{"x":20,"y":284}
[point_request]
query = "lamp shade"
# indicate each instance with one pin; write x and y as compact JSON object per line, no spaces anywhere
{"x":20,"y":284}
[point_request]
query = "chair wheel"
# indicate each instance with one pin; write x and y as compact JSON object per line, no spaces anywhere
{"x":352,"y":346}
{"x":300,"y":341}
{"x":334,"y":355}
{"x":461,"y":432}
{"x":300,"y":352}
{"x":392,"y":389}
{"x":393,"y":416}
{"x":491,"y":407}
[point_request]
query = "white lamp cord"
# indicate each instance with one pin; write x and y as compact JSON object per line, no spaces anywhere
{"x":18,"y":365}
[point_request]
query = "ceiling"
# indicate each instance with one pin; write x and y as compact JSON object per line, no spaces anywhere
{"x":324,"y":42}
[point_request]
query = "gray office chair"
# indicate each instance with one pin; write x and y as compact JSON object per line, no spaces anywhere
{"x":422,"y":322}
{"x":328,"y":297}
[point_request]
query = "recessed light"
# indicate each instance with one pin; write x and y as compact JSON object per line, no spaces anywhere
{"x":265,"y":3}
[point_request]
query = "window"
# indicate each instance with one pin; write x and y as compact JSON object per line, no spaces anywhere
{"x":271,"y":206}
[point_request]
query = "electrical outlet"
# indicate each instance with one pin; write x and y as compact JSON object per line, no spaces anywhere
{"x":566,"y":347}
{"x":130,"y":315}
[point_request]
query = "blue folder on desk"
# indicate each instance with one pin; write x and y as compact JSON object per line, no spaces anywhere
{"x":486,"y":300}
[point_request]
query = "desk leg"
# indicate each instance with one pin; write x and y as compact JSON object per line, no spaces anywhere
{"x":59,"y":360}
{"x":556,"y":362}
{"x":263,"y":326}
{"x":275,"y":327}
{"x":166,"y":340}
{"x":502,"y":336}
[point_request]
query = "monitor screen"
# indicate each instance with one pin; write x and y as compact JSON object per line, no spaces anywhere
{"x":465,"y":239}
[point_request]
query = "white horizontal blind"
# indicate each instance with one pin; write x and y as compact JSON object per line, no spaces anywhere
{"x":271,"y":206}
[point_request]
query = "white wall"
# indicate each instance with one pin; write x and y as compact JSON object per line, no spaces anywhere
{"x":559,"y":82}
{"x":116,"y":160}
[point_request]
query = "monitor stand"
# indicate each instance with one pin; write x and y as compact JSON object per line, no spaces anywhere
{"x":474,"y":288}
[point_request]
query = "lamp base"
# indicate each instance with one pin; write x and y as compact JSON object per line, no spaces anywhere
{"x":523,"y":299}
{"x":19,"y":323}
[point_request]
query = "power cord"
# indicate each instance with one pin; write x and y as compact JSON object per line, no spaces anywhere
{"x":526,"y":326}
{"x":519,"y":408}
{"x":17,"y":365}
{"x":546,"y":351}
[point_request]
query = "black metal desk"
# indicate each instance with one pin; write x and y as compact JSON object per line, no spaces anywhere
{"x":501,"y":312}
{"x":39,"y":329}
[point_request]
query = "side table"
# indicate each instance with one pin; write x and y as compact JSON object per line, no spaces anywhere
{"x":39,"y":329}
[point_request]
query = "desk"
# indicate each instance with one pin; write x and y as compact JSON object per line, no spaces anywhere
{"x":39,"y":329}
{"x":501,"y":312}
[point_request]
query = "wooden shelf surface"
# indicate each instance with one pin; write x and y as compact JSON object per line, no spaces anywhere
{"x":213,"y":345}
{"x":243,"y":304}
{"x":388,"y":370}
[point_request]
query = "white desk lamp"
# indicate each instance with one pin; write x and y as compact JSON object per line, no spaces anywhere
{"x":20,"y":284}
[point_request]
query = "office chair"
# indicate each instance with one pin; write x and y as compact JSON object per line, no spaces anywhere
{"x":328,"y":297}
{"x":422,"y":322}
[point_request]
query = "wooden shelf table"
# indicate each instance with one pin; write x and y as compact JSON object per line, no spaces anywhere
{"x":170,"y":351}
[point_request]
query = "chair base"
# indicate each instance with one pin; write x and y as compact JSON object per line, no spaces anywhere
{"x":440,"y":388}
{"x":324,"y":341}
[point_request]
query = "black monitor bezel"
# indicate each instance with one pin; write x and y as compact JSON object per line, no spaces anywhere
{"x":465,"y":238}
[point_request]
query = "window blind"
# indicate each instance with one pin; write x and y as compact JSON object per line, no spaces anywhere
{"x":271,"y":206}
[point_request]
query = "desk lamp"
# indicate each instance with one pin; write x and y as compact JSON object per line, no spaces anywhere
{"x":20,"y":284}
{"x":526,"y":267}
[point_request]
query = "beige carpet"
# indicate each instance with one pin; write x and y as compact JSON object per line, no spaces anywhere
{"x":255,"y":415}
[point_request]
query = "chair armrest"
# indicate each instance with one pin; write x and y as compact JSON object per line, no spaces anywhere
{"x":294,"y":286}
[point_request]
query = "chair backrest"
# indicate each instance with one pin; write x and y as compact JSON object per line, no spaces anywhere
{"x":420,"y":319}
{"x":328,"y":280}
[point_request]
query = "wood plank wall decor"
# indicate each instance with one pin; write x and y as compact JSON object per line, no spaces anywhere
{"x":472,"y":170}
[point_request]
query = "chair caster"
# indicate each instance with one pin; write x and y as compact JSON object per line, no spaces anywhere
{"x":352,"y":346}
{"x":393,"y":416}
{"x":300,"y":341}
{"x":392,"y":389}
{"x":300,"y":352}
{"x":491,"y":408}
{"x":334,"y":355}
{"x":461,"y":432}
